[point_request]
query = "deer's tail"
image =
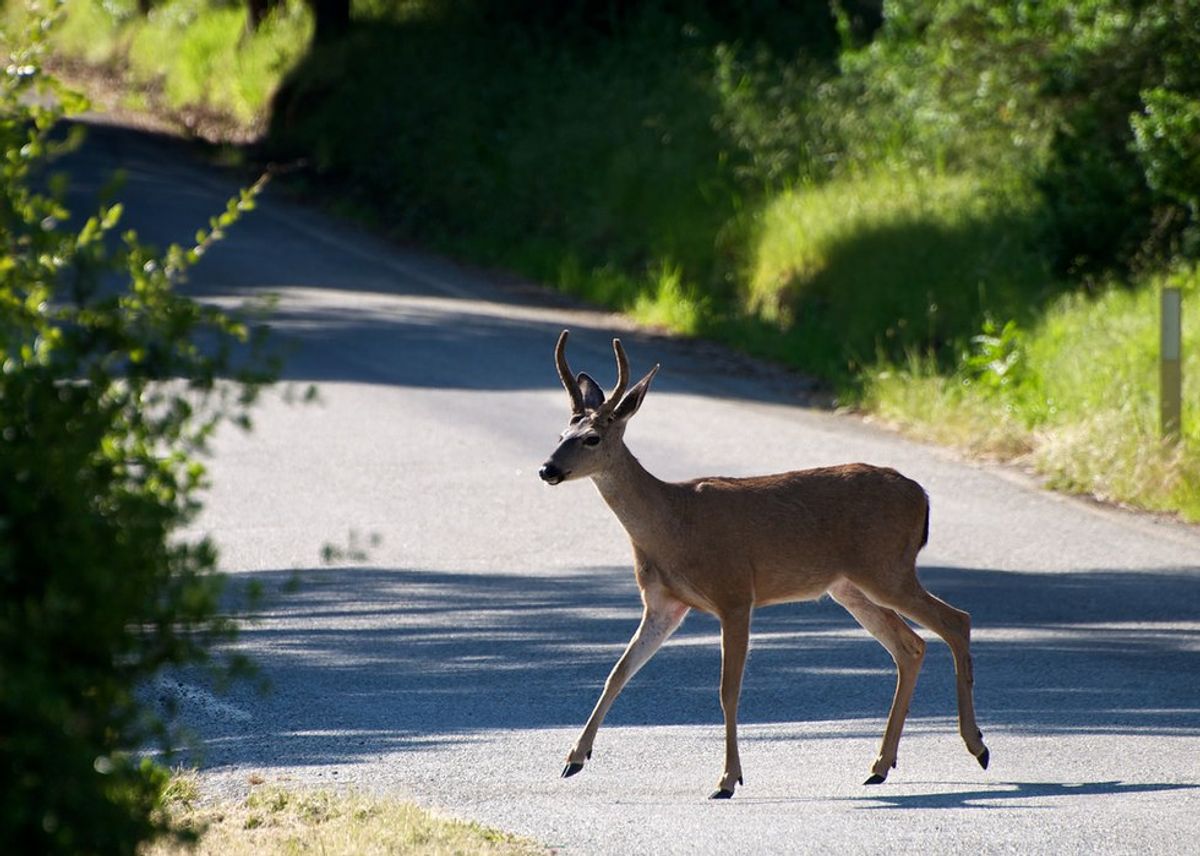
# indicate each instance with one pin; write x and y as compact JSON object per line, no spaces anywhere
{"x":925,"y":530}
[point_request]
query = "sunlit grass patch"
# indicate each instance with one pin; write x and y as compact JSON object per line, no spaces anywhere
{"x":1098,"y":363}
{"x":277,"y":820}
{"x":198,"y":54}
{"x":932,"y":406}
{"x":867,"y":265}
{"x":91,"y":30}
{"x":1084,"y":412}
{"x":205,"y":56}
{"x":1117,"y":456}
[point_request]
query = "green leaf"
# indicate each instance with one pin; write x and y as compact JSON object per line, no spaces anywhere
{"x":112,"y":216}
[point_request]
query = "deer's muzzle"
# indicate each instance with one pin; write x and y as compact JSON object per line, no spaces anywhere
{"x":551,"y":474}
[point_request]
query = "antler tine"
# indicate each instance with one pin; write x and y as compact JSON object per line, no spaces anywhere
{"x":564,"y":373}
{"x":622,"y":374}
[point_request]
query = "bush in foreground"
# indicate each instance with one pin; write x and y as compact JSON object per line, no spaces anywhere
{"x":110,"y":385}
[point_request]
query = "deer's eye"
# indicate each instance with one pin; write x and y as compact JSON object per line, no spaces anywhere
{"x":591,"y":440}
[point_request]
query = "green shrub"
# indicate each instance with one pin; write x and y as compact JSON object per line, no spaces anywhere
{"x":110,"y":385}
{"x":997,"y":361}
{"x":1167,"y":143}
{"x":778,"y":116}
{"x":1043,"y":89}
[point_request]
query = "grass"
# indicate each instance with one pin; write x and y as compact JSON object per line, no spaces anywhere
{"x":205,"y":56}
{"x":860,"y":267}
{"x":191,"y":54}
{"x":90,"y":31}
{"x":1083,"y":407}
{"x":277,"y":820}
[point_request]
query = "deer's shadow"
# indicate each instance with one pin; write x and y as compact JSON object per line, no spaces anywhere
{"x":1008,"y":795}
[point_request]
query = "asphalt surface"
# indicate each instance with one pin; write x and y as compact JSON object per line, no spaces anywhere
{"x":454,"y":664}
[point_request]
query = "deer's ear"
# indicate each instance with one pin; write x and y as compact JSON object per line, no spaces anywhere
{"x":593,"y":395}
{"x":633,"y":399}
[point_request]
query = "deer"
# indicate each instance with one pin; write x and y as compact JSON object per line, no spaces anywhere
{"x":728,"y":545}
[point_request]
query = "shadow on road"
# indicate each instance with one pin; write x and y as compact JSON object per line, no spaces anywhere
{"x":338,"y":319}
{"x":1012,"y":794}
{"x":366,"y":661}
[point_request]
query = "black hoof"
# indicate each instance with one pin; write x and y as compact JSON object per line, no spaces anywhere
{"x":720,"y":795}
{"x":571,"y":769}
{"x":983,"y":758}
{"x":875,"y":779}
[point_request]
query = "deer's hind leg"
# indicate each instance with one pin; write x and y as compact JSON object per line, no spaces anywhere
{"x":908,"y":652}
{"x":954,"y":627}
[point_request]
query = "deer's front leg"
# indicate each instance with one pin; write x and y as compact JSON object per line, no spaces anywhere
{"x":662,"y":614}
{"x":735,"y":642}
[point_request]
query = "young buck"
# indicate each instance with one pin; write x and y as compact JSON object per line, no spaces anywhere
{"x":727,"y":545}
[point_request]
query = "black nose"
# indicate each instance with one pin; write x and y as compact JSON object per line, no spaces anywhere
{"x":550,"y":473}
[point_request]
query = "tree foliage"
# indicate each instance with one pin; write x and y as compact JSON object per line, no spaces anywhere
{"x":111,"y":385}
{"x":1096,"y":100}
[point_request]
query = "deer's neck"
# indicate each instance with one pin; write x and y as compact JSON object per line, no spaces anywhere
{"x":644,"y":504}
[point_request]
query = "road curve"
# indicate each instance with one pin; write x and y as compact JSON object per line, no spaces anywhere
{"x":454,"y":663}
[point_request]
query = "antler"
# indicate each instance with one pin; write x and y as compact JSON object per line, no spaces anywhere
{"x":622,"y":376}
{"x":565,"y":375}
{"x":572,"y":385}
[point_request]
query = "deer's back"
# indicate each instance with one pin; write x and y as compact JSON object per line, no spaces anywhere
{"x":798,"y":531}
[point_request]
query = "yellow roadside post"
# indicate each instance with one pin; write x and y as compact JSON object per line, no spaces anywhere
{"x":1170,"y":361}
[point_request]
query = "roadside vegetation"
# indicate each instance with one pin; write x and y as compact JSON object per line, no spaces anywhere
{"x":285,"y":820}
{"x":111,"y":385}
{"x":957,"y":214}
{"x":191,"y":60}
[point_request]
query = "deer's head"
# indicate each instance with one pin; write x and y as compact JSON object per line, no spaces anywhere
{"x":594,"y":434}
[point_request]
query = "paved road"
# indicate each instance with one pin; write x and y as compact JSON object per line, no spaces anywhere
{"x":454,"y":665}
